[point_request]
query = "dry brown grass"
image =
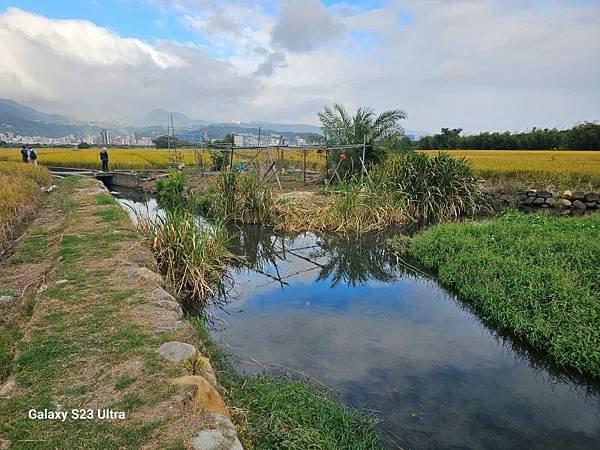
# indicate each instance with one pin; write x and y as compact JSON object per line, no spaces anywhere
{"x":21,"y":188}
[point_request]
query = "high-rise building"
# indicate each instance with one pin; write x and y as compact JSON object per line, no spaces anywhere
{"x":104,"y":137}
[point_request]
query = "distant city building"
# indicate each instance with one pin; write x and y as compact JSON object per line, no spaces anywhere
{"x":252,"y":140}
{"x":104,"y":137}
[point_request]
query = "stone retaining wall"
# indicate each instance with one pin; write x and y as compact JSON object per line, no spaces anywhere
{"x":567,"y":202}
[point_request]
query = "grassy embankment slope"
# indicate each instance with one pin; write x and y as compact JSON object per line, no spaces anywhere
{"x":75,"y":335}
{"x":534,"y":276}
{"x":565,"y":169}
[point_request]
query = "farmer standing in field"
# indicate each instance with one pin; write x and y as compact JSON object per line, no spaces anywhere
{"x":104,"y":159}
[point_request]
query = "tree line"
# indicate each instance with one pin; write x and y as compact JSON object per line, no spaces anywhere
{"x":585,"y":136}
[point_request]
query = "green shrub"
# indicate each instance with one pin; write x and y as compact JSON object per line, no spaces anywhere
{"x":437,"y":188}
{"x":170,"y":191}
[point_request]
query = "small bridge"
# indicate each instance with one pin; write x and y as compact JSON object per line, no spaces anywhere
{"x":121,"y":179}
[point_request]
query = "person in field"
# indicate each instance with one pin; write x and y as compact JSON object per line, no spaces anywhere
{"x":33,"y":156}
{"x":24,"y":154}
{"x":104,"y":159}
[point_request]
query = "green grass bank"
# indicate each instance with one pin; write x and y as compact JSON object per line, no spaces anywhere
{"x":534,"y":276}
{"x":79,"y":333}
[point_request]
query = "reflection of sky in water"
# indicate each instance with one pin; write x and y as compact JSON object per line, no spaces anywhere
{"x":136,"y":202}
{"x":392,"y":342}
{"x":438,"y":378}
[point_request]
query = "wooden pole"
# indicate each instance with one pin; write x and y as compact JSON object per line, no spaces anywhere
{"x":304,"y":168}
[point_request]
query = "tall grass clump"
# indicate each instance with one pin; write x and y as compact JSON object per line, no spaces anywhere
{"x":20,"y":192}
{"x":193,"y":258}
{"x":432,"y":189}
{"x":534,"y":276}
{"x":240,"y":197}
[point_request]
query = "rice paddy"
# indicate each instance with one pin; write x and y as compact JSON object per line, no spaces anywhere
{"x":568,"y":169}
{"x":152,"y":158}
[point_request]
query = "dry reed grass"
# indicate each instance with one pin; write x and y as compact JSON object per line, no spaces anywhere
{"x":20,"y":188}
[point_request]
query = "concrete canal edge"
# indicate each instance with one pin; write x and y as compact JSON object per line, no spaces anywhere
{"x":130,"y":295}
{"x":164,"y":314}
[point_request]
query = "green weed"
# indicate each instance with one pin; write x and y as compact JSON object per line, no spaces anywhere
{"x":534,"y":275}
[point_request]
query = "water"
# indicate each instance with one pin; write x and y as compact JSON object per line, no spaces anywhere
{"x":386,"y":338}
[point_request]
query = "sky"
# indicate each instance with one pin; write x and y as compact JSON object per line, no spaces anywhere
{"x":474,"y":64}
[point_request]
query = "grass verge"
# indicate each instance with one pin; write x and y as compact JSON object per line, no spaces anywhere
{"x":534,"y":276}
{"x":77,"y":337}
{"x":275,"y":412}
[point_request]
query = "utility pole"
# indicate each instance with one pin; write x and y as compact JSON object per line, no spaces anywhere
{"x":174,"y":141}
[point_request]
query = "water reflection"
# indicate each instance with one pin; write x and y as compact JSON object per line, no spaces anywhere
{"x":386,"y":338}
{"x":337,"y":259}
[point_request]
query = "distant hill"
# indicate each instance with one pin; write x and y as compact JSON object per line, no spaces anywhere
{"x":218,"y":131}
{"x":11,"y":111}
{"x":160,"y":117}
{"x":21,"y":119}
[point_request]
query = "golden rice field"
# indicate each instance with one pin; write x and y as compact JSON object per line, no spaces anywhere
{"x":569,"y":169}
{"x":151,"y":158}
{"x":20,"y":188}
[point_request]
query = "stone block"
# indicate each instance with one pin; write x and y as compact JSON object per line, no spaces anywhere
{"x":222,"y":436}
{"x":177,"y":351}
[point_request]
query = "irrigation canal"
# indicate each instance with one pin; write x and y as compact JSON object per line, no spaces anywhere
{"x":387,"y":339}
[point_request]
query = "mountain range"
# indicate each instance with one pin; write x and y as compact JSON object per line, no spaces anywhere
{"x":23,"y":120}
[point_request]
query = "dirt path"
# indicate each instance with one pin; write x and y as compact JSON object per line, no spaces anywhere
{"x":83,"y":316}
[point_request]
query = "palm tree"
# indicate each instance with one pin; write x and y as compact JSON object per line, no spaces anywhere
{"x":365,"y":127}
{"x":339,"y":128}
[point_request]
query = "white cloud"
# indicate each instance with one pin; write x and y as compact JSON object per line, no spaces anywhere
{"x":475,"y":64}
{"x":304,"y":25}
{"x":73,"y":62}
